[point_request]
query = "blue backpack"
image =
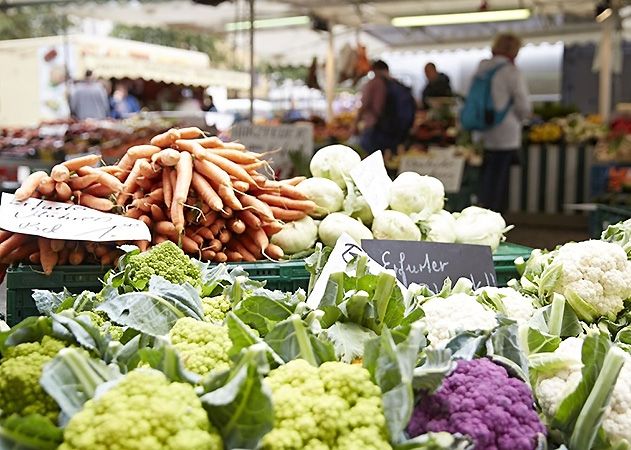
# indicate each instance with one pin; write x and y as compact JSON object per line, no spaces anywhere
{"x":478,"y":112}
{"x":399,"y":111}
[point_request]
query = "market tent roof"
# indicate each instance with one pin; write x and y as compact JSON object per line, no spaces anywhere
{"x":119,"y":58}
{"x":366,"y":21}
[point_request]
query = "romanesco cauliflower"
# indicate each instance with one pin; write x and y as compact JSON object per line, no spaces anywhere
{"x":202,"y":346}
{"x":333,"y":407}
{"x":143,"y":411}
{"x":445,"y":317}
{"x":20,"y":371}
{"x":166,"y":260}
{"x":216,"y":308}
{"x":594,"y":278}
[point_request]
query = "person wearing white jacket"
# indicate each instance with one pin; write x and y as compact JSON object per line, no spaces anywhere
{"x":503,"y":141}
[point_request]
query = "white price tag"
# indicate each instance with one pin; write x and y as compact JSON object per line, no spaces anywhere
{"x":372,"y":180}
{"x":56,"y":220}
{"x":346,"y":248}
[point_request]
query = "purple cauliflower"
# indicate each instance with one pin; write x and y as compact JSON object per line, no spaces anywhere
{"x":479,"y":399}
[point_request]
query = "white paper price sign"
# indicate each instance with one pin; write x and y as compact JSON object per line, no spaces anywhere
{"x":56,"y":220}
{"x":372,"y":180}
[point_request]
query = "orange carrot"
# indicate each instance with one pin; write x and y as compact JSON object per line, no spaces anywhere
{"x":57,"y":245}
{"x":215,"y":245}
{"x":166,"y":158}
{"x":237,"y":226}
{"x":21,"y":253}
{"x":192,"y":234}
{"x":5,"y":234}
{"x":235,"y":156}
{"x":76,"y":163}
{"x":233,"y":256}
{"x":145,"y":218}
{"x":13,"y":242}
{"x":63,"y":191}
{"x":293,"y":181}
{"x":159,"y":239}
{"x":244,"y":252}
{"x":250,"y":219}
{"x":240,"y":186}
{"x":271,"y":228}
{"x":147,"y":170}
{"x":286,"y":190}
{"x":78,"y":183}
{"x":130,"y":183}
{"x":274,"y":252}
{"x":230,"y":167}
{"x":184,"y":171}
{"x":142,"y":245}
{"x":255,"y":166}
{"x":47,"y":256}
{"x":166,"y":139}
{"x":145,"y":184}
{"x":220,"y":257}
{"x":46,"y":186}
{"x":34,"y":258}
{"x":90,"y":201}
{"x":217,"y":226}
{"x":134,"y":213}
{"x":287,"y":215}
{"x":106,"y":179}
{"x":167,"y":187}
{"x":226,"y":213}
{"x":188,"y":245}
{"x":213,"y":173}
{"x":260,"y":208}
{"x":208,"y":255}
{"x":228,"y":196}
{"x":77,"y":255}
{"x":165,"y":228}
{"x":210,"y":142}
{"x":109,"y":258}
{"x":101,"y":250}
{"x":157,"y":194}
{"x":142,"y":151}
{"x":224,"y":236}
{"x":205,"y":233}
{"x":157,"y":213}
{"x":190,"y":133}
{"x":29,"y":185}
{"x":260,"y":238}
{"x":233,"y":145}
{"x":60,"y":173}
{"x":126,"y":163}
{"x":206,"y":192}
{"x":98,"y":190}
{"x":209,"y":219}
{"x":252,"y":247}
{"x":288,"y":203}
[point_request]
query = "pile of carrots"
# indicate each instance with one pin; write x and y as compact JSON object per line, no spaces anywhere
{"x":210,"y":197}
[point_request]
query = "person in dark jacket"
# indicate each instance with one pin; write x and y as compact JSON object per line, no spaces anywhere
{"x":438,"y":84}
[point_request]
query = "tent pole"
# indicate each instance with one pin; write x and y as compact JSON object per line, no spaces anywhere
{"x":606,"y":69}
{"x":330,"y":76}
{"x":252,"y":71}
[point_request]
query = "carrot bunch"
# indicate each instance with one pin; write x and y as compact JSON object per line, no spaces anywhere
{"x":210,"y":197}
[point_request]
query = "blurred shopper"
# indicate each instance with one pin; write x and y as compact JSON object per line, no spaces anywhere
{"x":88,"y":99}
{"x":189,"y":103}
{"x":438,"y":85}
{"x":123,"y":104}
{"x":387,"y":111}
{"x":209,"y":104}
{"x":502,"y":141}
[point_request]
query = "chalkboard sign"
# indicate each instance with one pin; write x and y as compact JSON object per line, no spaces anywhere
{"x":431,"y":263}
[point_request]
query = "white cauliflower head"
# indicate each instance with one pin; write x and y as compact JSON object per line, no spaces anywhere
{"x":594,"y":278}
{"x":517,"y":307}
{"x":445,"y":317}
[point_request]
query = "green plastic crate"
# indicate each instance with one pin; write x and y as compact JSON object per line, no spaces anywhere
{"x":606,"y":215}
{"x":22,"y":279}
{"x":504,"y":261}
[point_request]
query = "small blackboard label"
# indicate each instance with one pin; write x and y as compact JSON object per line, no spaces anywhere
{"x":430,"y":263}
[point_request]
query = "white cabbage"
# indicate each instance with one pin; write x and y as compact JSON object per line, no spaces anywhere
{"x":334,"y":162}
{"x":413,"y":193}
{"x":336,"y":224}
{"x":297,"y":236}
{"x":395,"y":225}
{"x":325,"y":193}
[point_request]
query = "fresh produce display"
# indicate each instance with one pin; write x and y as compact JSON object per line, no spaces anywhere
{"x":61,"y":138}
{"x":199,"y":192}
{"x":174,"y":353}
{"x":415,"y":210}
